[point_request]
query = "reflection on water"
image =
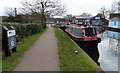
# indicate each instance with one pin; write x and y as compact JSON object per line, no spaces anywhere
{"x":109,"y":50}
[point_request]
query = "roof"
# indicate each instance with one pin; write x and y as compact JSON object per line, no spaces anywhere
{"x":98,"y":17}
{"x":82,"y":17}
{"x":80,"y":27}
{"x":114,"y":15}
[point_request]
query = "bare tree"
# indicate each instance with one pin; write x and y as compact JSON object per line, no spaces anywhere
{"x":104,"y":12}
{"x":45,"y":7}
{"x":9,"y":11}
{"x":116,"y":5}
{"x":68,"y":17}
{"x":51,"y":7}
{"x":86,"y":14}
{"x":113,"y":8}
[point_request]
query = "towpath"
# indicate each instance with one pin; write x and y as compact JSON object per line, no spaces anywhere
{"x":43,"y":55}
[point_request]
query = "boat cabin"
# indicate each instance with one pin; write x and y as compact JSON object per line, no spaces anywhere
{"x":83,"y":33}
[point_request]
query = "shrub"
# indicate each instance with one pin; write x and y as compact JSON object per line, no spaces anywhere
{"x":24,"y":30}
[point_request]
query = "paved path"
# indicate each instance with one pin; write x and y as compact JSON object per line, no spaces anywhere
{"x":43,"y":56}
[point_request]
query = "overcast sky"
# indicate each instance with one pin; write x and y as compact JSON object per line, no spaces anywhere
{"x":74,"y":7}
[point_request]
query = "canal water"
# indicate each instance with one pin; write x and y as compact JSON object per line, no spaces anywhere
{"x":109,"y":49}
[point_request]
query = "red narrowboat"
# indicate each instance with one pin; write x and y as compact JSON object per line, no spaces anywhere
{"x":82,"y":33}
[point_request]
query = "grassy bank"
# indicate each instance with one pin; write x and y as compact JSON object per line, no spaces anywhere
{"x":9,"y":63}
{"x":69,"y":61}
{"x":0,"y":62}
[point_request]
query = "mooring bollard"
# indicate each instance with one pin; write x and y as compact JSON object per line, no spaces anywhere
{"x":8,"y":40}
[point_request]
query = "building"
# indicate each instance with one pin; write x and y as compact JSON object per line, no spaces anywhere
{"x":114,"y":20}
{"x":98,"y":20}
{"x":80,"y":18}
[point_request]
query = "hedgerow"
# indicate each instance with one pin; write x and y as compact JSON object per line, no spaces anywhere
{"x":24,"y":30}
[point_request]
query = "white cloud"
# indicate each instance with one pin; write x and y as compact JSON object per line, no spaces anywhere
{"x":74,"y":7}
{"x":8,"y":3}
{"x":91,"y":6}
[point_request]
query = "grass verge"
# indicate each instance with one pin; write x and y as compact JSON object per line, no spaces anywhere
{"x":9,"y":63}
{"x":69,"y":61}
{"x":0,"y":61}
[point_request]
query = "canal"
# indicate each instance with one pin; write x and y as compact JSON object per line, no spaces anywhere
{"x":106,"y":52}
{"x":109,"y":49}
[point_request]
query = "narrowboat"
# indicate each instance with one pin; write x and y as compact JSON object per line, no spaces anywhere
{"x":86,"y":37}
{"x":83,"y":34}
{"x":62,"y":25}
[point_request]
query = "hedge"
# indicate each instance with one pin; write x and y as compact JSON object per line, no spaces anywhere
{"x":24,"y":30}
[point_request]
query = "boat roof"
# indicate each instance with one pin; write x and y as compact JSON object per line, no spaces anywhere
{"x":79,"y":26}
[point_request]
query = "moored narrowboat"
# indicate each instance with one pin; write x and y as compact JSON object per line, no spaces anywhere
{"x":82,"y":33}
{"x":86,"y":37}
{"x":62,"y":26}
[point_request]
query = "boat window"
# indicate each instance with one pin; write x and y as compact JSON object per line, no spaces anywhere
{"x":68,"y":28}
{"x":72,"y":30}
{"x":77,"y":32}
{"x":94,"y":31}
{"x":89,"y":32}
